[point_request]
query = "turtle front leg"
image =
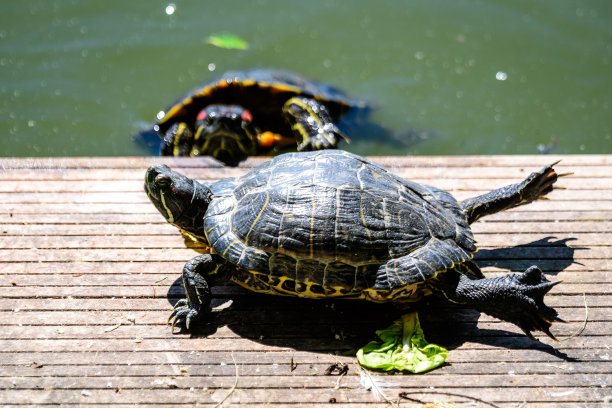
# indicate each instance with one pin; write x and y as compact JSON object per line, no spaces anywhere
{"x":312,"y":124}
{"x":516,"y":298}
{"x":178,"y":140}
{"x":198,"y":274}
{"x":534,"y":187}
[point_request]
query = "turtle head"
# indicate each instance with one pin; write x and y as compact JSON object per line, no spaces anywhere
{"x":225,"y":132}
{"x":181,"y":200}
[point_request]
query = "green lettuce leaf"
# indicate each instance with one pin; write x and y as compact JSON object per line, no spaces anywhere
{"x":403,"y":348}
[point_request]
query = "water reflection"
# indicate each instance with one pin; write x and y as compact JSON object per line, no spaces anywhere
{"x":484,"y":77}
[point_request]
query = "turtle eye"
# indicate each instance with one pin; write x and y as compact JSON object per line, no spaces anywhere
{"x":203,"y":116}
{"x":211,"y":118}
{"x":162,"y":180}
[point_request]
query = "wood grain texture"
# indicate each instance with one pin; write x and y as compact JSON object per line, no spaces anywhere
{"x":89,"y":272}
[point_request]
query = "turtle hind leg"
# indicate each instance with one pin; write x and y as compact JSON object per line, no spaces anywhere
{"x":536,"y":186}
{"x":515,"y":298}
{"x":198,"y":274}
{"x":178,"y":140}
{"x":432,"y":259}
{"x":312,"y":124}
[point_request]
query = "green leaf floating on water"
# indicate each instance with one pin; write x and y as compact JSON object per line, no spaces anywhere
{"x":228,"y":41}
{"x":403,"y":348}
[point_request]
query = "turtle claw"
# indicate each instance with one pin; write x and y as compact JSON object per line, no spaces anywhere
{"x":181,"y":302}
{"x":545,"y":330}
{"x":538,"y":184}
{"x":327,"y":138}
{"x":183,"y":311}
{"x":519,"y":298}
{"x":312,"y":123}
{"x":529,"y":311}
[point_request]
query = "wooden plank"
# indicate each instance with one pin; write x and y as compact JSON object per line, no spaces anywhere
{"x":30,"y":277}
{"x":150,"y":290}
{"x":296,"y":380}
{"x":46,"y":219}
{"x":104,"y":236}
{"x":174,"y":268}
{"x":87,"y":226}
{"x":103,"y":181}
{"x":38,"y":304}
{"x":170,"y":396}
{"x":424,"y":398}
{"x":179,"y":254}
{"x":110,"y":318}
{"x":282,"y":369}
{"x":89,"y":271}
{"x":491,"y":172}
{"x":47,"y":164}
{"x":136,"y":209}
{"x":261,"y":382}
{"x":119,"y":197}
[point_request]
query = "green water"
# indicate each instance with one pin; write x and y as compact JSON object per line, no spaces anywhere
{"x":466,"y":77}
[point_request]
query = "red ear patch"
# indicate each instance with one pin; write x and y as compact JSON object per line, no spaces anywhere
{"x":246,"y":115}
{"x":202,"y":115}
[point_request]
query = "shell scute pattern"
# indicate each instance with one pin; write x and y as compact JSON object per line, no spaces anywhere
{"x":250,"y":88}
{"x":339,"y":227}
{"x":253,"y":181}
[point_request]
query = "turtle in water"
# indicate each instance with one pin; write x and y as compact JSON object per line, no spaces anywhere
{"x":331,"y":224}
{"x":243,"y":113}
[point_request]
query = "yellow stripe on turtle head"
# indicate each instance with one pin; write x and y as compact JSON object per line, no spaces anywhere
{"x":179,"y":140}
{"x":163,"y":201}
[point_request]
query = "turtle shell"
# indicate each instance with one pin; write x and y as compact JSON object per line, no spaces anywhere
{"x":262,"y":91}
{"x":330,"y":223}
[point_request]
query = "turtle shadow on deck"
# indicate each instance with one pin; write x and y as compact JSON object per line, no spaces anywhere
{"x":450,"y":326}
{"x":549,"y":254}
{"x":327,"y":326}
{"x":343,"y":326}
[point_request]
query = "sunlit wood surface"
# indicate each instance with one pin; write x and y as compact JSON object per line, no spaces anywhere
{"x":89,"y":272}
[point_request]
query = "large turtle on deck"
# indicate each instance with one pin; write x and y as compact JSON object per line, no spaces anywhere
{"x":331,"y":224}
{"x":242,"y":113}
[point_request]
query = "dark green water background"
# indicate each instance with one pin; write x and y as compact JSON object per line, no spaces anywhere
{"x":447,"y":77}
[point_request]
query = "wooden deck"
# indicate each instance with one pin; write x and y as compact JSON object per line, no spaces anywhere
{"x":89,"y":272}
